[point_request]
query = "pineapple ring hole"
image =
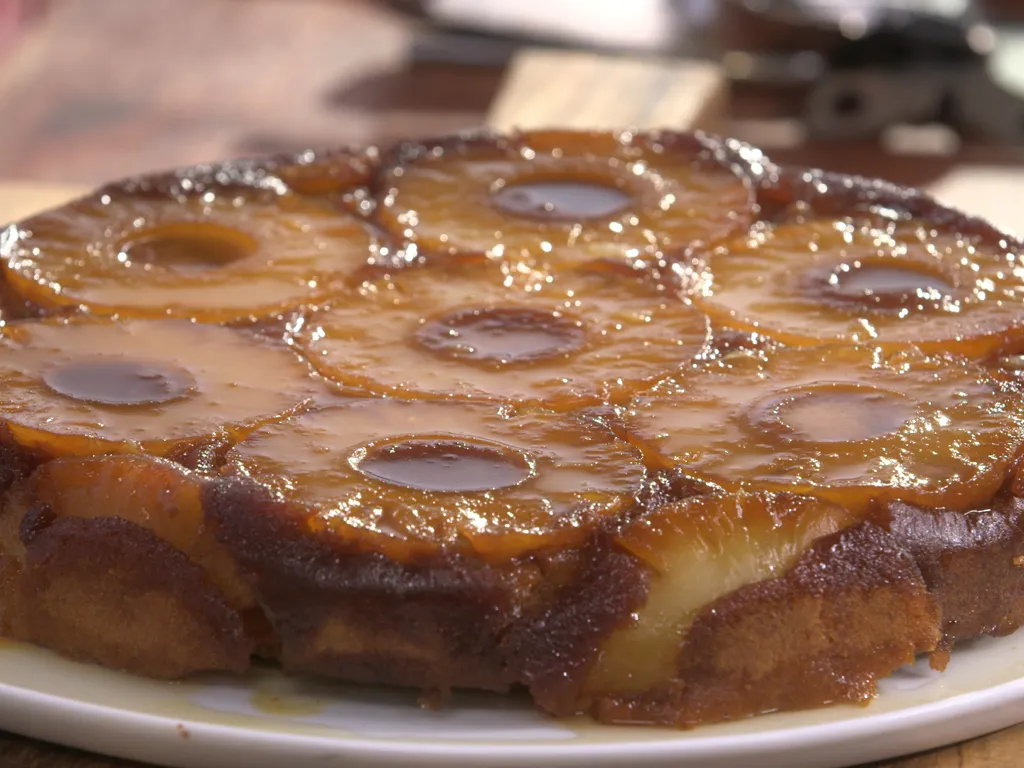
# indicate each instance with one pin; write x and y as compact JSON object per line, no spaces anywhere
{"x":887,"y":284}
{"x":187,"y":247}
{"x":443,"y":463}
{"x":561,"y":200}
{"x":832,"y":413}
{"x":501,"y":335}
{"x":120,"y":381}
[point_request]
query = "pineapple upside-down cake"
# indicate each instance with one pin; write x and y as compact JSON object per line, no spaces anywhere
{"x":642,"y":423}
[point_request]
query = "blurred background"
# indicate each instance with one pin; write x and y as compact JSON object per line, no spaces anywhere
{"x":96,"y":89}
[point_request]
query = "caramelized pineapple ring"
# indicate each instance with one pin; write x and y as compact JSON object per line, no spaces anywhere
{"x":849,"y":423}
{"x":699,"y":550}
{"x":153,"y":493}
{"x":93,"y":387}
{"x":407,"y":477}
{"x":217,"y":256}
{"x":483,"y":332}
{"x":330,"y":173}
{"x":566,"y":197}
{"x":883,"y":283}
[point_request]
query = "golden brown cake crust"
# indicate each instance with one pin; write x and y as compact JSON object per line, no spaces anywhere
{"x":81,"y":578}
{"x":251,"y":571}
{"x":972,"y":563}
{"x":438,"y":623}
{"x":358,"y":615}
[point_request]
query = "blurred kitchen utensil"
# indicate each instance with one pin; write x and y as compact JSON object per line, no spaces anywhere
{"x":867,"y":65}
{"x":859,"y":67}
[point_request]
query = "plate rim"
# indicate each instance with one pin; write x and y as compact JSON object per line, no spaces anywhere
{"x":964,"y":708}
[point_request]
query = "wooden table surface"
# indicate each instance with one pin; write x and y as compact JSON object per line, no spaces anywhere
{"x":104,"y":88}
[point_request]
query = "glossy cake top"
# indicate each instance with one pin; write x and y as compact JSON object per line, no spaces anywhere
{"x":497,"y":344}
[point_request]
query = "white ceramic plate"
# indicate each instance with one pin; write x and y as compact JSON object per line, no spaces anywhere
{"x":268,"y":720}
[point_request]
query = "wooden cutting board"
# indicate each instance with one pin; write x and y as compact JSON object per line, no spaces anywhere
{"x":580,"y":90}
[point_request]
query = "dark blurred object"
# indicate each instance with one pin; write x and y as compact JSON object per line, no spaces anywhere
{"x":1004,"y":10}
{"x":410,"y":7}
{"x":863,"y":66}
{"x":846,"y":69}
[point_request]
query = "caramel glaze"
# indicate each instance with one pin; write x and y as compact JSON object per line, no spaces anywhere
{"x":562,"y":197}
{"x":216,"y":244}
{"x":801,"y":196}
{"x":200,"y":567}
